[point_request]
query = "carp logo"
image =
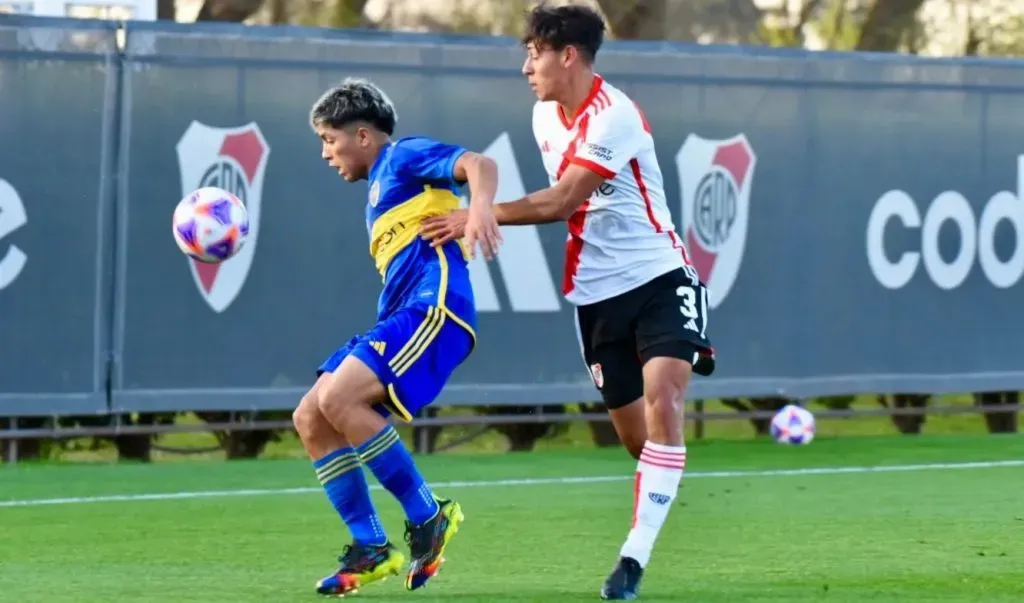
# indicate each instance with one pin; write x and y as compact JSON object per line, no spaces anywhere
{"x":715,"y":177}
{"x":234,"y":159}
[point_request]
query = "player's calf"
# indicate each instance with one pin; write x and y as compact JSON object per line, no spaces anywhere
{"x":339,"y":471}
{"x":630,"y":422}
{"x":431,"y":522}
{"x":347,"y":401}
{"x":659,"y":471}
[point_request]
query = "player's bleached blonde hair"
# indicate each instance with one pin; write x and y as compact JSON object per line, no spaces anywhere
{"x":354,"y":100}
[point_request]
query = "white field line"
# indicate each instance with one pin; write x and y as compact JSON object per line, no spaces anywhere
{"x":38,"y":502}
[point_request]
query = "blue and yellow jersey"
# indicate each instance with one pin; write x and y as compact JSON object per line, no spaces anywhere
{"x":411,"y":180}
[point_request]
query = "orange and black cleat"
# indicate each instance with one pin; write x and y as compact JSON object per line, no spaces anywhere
{"x":427,"y":543}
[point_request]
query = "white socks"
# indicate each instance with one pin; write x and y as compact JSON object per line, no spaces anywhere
{"x":657,"y":481}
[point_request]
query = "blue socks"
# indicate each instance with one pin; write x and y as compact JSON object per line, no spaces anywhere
{"x":347,"y":489}
{"x":346,"y":486}
{"x":392,"y":465}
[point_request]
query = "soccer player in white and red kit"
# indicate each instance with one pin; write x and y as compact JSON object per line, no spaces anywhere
{"x":641,"y":310}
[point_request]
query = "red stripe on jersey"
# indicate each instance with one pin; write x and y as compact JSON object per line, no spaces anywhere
{"x":594,"y":89}
{"x":643,"y":118}
{"x":570,"y":152}
{"x":597,"y":168}
{"x":574,"y":247}
{"x":639,"y":177}
{"x":678,"y":245}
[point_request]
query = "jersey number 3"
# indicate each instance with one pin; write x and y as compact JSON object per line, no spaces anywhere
{"x":688,"y":307}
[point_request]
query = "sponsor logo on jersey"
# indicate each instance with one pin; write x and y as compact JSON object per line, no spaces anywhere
{"x":596,"y":150}
{"x":234,"y":159}
{"x":605,"y":190}
{"x":716,"y":178}
{"x":12,"y":217}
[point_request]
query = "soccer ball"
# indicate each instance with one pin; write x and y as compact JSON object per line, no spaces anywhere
{"x":793,"y":425}
{"x":210,"y":225}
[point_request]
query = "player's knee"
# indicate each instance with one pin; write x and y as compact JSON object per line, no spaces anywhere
{"x":306,"y":416}
{"x":353,"y":384}
{"x":665,"y":381}
{"x":664,"y":406}
{"x":330,"y":402}
{"x":663,"y":397}
{"x":336,"y":401}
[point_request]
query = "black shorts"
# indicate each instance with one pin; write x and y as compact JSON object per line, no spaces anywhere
{"x":664,"y":317}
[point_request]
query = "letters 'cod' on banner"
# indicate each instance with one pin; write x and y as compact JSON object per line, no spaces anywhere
{"x":858,"y":223}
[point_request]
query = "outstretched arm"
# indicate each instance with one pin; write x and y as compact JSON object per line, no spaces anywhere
{"x":553,"y":204}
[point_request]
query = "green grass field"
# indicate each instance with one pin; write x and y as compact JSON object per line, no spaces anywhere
{"x":915,"y":534}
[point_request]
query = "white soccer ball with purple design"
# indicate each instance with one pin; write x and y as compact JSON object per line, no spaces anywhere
{"x":210,"y":225}
{"x":793,"y":425}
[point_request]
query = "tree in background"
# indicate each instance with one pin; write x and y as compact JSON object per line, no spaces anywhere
{"x":981,"y":27}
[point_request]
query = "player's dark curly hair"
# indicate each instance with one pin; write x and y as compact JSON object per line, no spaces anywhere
{"x":556,"y":27}
{"x":355,"y":100}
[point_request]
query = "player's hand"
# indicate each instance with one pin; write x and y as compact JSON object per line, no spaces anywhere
{"x":482,"y":227}
{"x":442,"y":229}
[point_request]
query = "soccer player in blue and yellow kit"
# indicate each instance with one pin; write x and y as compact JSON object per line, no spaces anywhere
{"x":426,"y":320}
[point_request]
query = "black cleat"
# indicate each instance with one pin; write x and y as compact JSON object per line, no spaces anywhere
{"x":427,"y":543}
{"x":624,"y":581}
